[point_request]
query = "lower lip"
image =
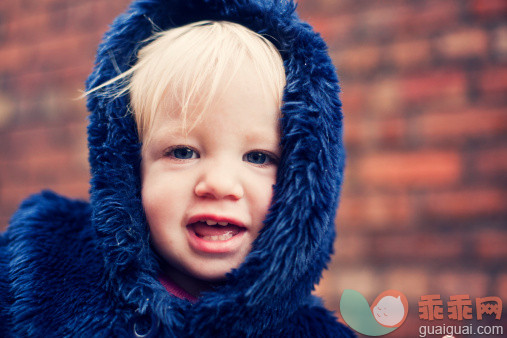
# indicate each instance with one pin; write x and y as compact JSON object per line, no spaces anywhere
{"x":215,"y":247}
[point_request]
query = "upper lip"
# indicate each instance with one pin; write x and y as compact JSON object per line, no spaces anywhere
{"x":216,"y":218}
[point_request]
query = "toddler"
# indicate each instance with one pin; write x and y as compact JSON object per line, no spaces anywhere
{"x":216,"y":159}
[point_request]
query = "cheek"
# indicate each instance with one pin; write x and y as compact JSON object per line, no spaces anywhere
{"x":152,"y":207}
{"x":262,"y":196}
{"x":158,"y":199}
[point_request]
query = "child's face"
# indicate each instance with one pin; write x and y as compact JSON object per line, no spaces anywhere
{"x":222,"y":171}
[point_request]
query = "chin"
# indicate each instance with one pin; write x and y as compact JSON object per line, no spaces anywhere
{"x":211,"y":275}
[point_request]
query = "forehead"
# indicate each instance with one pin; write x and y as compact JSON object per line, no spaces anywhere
{"x":240,"y":98}
{"x":194,"y":71}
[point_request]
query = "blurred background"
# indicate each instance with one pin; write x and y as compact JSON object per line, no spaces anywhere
{"x":424,"y":91}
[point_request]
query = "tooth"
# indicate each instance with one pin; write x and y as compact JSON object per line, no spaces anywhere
{"x":222,"y":237}
{"x":210,"y":222}
{"x":223,"y":223}
{"x":226,"y":236}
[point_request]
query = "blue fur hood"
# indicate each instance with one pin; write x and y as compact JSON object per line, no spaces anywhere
{"x":91,"y":263}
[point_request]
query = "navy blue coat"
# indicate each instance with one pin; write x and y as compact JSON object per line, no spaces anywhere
{"x":75,"y":268}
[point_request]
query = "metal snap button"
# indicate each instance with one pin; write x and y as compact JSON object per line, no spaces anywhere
{"x":145,"y":326}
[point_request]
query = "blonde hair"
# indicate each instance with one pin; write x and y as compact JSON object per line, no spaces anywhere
{"x":189,"y":63}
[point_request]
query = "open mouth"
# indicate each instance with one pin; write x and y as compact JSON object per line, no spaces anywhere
{"x":215,"y":231}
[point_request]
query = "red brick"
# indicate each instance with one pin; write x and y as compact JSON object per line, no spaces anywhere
{"x":57,"y":168}
{"x":44,"y":141}
{"x":29,"y":84}
{"x":322,"y":6}
{"x":93,"y":14}
{"x":416,"y":247}
{"x":389,"y":131}
{"x":412,"y":282}
{"x":4,"y":221}
{"x":7,"y":110}
{"x":489,"y":9}
{"x":429,"y":17}
{"x":373,"y":211}
{"x":459,"y":126}
{"x":500,"y":43}
{"x":86,"y":14}
{"x":421,"y":169}
{"x":383,"y":97}
{"x":468,"y":42}
{"x":452,"y":282}
{"x":494,"y":79}
{"x":6,"y":6}
{"x":62,"y":51}
{"x":490,"y":244}
{"x":25,"y":142}
{"x":380,"y":98}
{"x":465,"y":203}
{"x":50,"y":96}
{"x":114,"y":8}
{"x":349,"y":247}
{"x":31,"y":28}
{"x":358,"y":278}
{"x":42,"y":5}
{"x":501,"y":286}
{"x":14,"y":58}
{"x":15,"y":173}
{"x":358,"y":60}
{"x":382,"y":19}
{"x":443,"y":86}
{"x":352,"y":97}
{"x":473,"y":283}
{"x":491,"y":162}
{"x":410,"y":53}
{"x":335,"y":30}
{"x":352,"y":133}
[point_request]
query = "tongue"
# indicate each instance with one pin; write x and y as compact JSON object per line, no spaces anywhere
{"x":202,"y":229}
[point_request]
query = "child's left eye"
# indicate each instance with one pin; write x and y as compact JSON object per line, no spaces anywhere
{"x":181,"y":153}
{"x":259,"y":157}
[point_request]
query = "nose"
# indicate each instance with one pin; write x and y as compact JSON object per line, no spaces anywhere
{"x":219,"y":181}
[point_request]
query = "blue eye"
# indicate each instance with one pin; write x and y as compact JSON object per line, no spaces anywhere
{"x":182,"y":153}
{"x":259,"y":158}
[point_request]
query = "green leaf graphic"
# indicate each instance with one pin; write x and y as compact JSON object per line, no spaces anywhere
{"x":357,"y":314}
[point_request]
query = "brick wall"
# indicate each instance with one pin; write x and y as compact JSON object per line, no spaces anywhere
{"x":424,"y":92}
{"x":424,"y":206}
{"x":47,"y":49}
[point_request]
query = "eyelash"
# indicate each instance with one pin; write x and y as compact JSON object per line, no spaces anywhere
{"x":171,"y":152}
{"x":270,"y":159}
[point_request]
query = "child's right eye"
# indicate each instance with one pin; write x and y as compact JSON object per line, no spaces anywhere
{"x":181,"y":153}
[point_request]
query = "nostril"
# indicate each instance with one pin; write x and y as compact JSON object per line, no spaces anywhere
{"x":219,"y":189}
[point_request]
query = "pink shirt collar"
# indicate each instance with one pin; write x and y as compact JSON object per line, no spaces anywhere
{"x":175,"y":289}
